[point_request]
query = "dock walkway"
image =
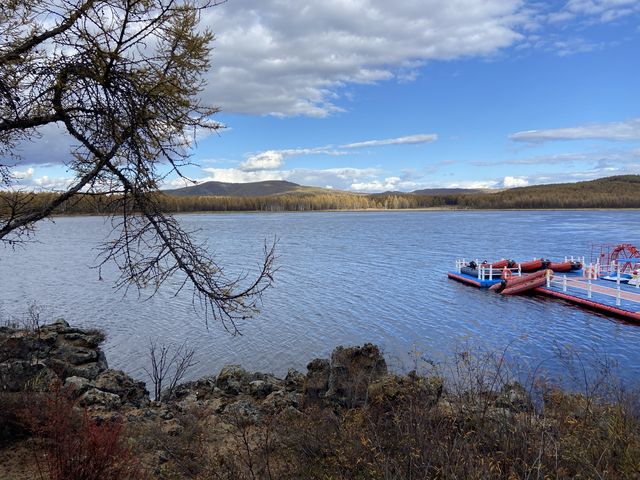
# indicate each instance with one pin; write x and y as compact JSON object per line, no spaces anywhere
{"x":605,"y":296}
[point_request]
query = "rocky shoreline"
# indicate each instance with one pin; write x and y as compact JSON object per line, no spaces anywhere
{"x":58,"y":354}
{"x":62,"y":358}
{"x":345,"y":415}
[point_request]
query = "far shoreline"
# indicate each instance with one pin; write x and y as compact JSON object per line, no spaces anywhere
{"x":367,"y":210}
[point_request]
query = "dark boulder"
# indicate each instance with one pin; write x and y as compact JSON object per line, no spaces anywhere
{"x":129,"y":390}
{"x":352,"y":370}
{"x":233,"y":379}
{"x":294,"y":381}
{"x":76,"y":386}
{"x":515,"y":398}
{"x":316,"y":382}
{"x":203,"y":388}
{"x":242,"y":412}
{"x":98,"y":398}
{"x":59,"y":355}
{"x":391,"y":390}
{"x":260,"y":388}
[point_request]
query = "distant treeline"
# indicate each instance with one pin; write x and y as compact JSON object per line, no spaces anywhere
{"x":612,"y":192}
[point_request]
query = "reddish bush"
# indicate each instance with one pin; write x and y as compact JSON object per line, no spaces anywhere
{"x":69,"y":444}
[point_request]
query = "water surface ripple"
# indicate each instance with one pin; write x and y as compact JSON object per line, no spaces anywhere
{"x":344,"y":278}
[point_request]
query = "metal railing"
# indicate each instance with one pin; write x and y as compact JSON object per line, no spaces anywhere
{"x":595,"y":271}
{"x":565,"y":285}
{"x":616,"y":267}
{"x":487,"y":272}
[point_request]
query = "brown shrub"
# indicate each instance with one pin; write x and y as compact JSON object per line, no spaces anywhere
{"x":488,"y":428}
{"x":69,"y":444}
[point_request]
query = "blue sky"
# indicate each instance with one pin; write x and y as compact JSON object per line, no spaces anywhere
{"x":370,"y":95}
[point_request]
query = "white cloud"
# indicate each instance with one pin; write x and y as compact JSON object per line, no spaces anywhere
{"x":388,"y":184}
{"x":601,"y":10}
{"x":293,"y":57}
{"x":51,"y":183}
{"x":28,"y":180}
{"x":561,"y":158}
{"x":274,"y":159}
{"x":617,"y":156}
{"x":599,"y":171}
{"x":345,"y":178}
{"x":474,"y":184}
{"x":234,"y":175}
{"x":269,"y":160}
{"x":408,"y":140}
{"x":627,"y":130}
{"x":296,"y":57}
{"x":23,"y":175}
{"x":512,"y":182}
{"x":339,"y":178}
{"x":561,"y":16}
{"x":572,"y":46}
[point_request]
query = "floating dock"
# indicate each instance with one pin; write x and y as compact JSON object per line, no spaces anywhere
{"x":484,"y":276}
{"x":600,"y":295}
{"x":587,"y":288}
{"x":471,"y":280}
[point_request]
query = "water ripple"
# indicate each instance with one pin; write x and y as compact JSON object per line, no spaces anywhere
{"x":345,"y":278}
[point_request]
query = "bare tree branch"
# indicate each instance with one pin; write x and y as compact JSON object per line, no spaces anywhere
{"x":168,"y":368}
{"x":14,"y":52}
{"x":123,"y":78}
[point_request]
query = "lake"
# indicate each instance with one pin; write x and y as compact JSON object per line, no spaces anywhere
{"x":344,"y":278}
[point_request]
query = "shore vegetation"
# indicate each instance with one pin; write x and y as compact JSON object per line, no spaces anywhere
{"x":477,"y":415}
{"x":611,"y":192}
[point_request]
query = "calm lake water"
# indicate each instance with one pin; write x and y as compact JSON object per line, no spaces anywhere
{"x":345,"y":278}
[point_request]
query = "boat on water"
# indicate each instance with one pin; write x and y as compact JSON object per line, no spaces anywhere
{"x":474,"y":272}
{"x":511,"y":285}
{"x":622,"y":278}
{"x":496,"y":270}
{"x":486,"y":270}
{"x":566,"y":266}
{"x":500,"y":264}
{"x":527,"y":283}
{"x":534,"y":265}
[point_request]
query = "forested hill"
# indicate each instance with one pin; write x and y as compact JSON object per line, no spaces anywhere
{"x":278,"y":187}
{"x":223,"y":189}
{"x":610,"y":192}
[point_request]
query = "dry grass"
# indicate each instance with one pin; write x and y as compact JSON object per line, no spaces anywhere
{"x":482,"y":425}
{"x":477,"y":424}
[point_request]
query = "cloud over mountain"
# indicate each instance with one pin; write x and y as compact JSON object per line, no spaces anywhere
{"x":627,"y":130}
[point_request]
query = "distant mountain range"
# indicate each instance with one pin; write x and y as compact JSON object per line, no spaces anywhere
{"x":622,"y":191}
{"x":451,"y":191}
{"x":223,"y":189}
{"x":280,"y":196}
{"x":279,"y":187}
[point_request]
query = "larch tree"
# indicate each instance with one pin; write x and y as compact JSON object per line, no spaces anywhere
{"x":123,"y":79}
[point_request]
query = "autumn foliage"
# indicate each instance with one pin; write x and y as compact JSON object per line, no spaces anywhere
{"x":70,"y":444}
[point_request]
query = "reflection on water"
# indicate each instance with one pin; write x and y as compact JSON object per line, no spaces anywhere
{"x":344,"y":278}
